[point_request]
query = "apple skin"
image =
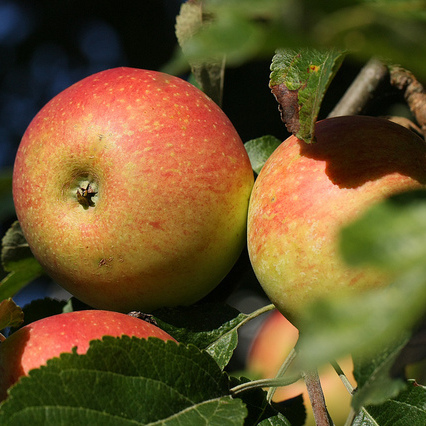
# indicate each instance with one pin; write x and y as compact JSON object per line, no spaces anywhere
{"x":272,"y":343}
{"x":169,"y":179}
{"x":306,"y":192}
{"x":32,"y":345}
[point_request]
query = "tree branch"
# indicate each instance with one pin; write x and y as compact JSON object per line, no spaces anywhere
{"x":316,"y":397}
{"x":361,"y":89}
{"x":414,"y":94}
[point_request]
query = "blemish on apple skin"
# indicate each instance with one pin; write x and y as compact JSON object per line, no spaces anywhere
{"x":156,"y":225}
{"x":105,"y":262}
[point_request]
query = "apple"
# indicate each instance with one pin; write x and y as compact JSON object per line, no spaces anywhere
{"x":132,"y":189}
{"x":32,"y":345}
{"x":272,"y":343}
{"x":306,"y":192}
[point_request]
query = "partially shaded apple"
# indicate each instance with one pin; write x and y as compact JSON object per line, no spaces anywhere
{"x":306,"y":192}
{"x":31,"y":346}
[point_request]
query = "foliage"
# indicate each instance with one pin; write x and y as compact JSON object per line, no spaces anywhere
{"x":255,"y":29}
{"x":132,"y":381}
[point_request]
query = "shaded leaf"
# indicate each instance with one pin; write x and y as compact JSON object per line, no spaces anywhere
{"x":125,"y":381}
{"x":391,"y":234}
{"x":413,"y":352}
{"x":362,"y":324}
{"x":408,"y":408}
{"x":238,"y":31}
{"x":257,"y":405}
{"x":260,"y":149}
{"x":212,"y":327}
{"x":278,"y":420}
{"x":373,"y":376}
{"x":208,"y":73}
{"x":247,"y":30}
{"x":18,"y":260}
{"x":11,"y":315}
{"x":293,"y":409}
{"x":299,"y":80}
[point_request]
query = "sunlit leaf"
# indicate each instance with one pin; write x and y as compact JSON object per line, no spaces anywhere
{"x":299,"y":80}
{"x":125,"y":381}
{"x":11,"y":315}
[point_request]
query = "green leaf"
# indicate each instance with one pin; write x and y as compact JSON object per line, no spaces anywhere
{"x":247,"y":30}
{"x":212,"y":327}
{"x":373,"y":376}
{"x":299,"y":80}
{"x":408,"y":408}
{"x":362,"y":324}
{"x":260,"y":149}
{"x":390,"y":235}
{"x":18,"y":260}
{"x":11,"y":314}
{"x":210,"y":72}
{"x":259,"y":409}
{"x":278,"y":420}
{"x":125,"y":381}
{"x":236,"y":30}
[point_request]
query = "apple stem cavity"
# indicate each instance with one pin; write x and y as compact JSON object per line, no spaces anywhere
{"x":85,"y":195}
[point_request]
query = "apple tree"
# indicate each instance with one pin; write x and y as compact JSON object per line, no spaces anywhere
{"x":123,"y":381}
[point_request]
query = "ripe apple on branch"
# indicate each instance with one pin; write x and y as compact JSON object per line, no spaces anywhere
{"x":132,"y":188}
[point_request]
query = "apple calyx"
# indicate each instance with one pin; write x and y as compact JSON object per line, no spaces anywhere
{"x":84,"y":196}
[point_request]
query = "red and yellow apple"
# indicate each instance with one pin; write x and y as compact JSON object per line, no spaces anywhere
{"x":270,"y":346}
{"x":132,"y":190}
{"x":306,"y":192}
{"x":32,"y":345}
